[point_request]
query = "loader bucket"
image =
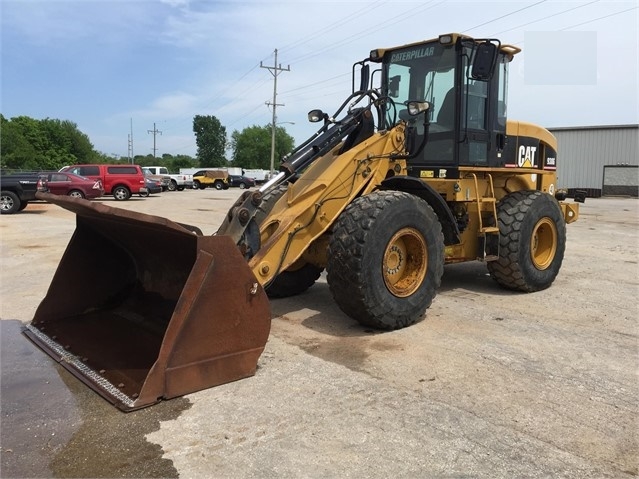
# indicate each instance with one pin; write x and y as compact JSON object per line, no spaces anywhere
{"x":143,"y":309}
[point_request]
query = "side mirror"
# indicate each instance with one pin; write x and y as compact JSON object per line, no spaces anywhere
{"x":364,"y":78}
{"x":484,"y":61}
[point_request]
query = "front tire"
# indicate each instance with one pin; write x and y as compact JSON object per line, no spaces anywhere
{"x":218,"y":185}
{"x":293,"y":281}
{"x":532,"y":241}
{"x":386,"y":259}
{"x":9,"y":203}
{"x":242,"y":186}
{"x":300,"y":276}
{"x":121,"y":193}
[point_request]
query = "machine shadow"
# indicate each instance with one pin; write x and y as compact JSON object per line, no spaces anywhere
{"x":319,"y":312}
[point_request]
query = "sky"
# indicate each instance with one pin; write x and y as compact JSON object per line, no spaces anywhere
{"x":124,"y":68}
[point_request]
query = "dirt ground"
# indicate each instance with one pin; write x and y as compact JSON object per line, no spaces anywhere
{"x":490,"y":384}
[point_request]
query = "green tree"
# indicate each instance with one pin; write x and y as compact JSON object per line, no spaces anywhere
{"x":210,"y":138}
{"x":174,"y":163}
{"x":252,"y":146}
{"x":80,"y":145}
{"x":48,"y":144}
{"x":17,"y":151}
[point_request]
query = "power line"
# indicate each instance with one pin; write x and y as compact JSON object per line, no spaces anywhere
{"x":544,"y":18}
{"x":598,"y":18}
{"x":504,"y":16}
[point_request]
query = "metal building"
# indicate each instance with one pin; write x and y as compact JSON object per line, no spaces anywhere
{"x":601,"y":160}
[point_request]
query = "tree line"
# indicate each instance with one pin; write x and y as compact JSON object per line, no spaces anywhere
{"x":49,"y":144}
{"x":250,"y":148}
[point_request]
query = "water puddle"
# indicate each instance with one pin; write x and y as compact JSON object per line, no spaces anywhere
{"x":55,"y":426}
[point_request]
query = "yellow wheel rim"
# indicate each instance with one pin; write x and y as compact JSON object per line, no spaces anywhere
{"x":405,"y":262}
{"x":543,"y":243}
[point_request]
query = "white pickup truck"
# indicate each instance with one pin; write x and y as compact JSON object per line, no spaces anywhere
{"x":178,"y":181}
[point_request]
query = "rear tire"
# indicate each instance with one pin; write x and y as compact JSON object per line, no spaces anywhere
{"x":532,"y":241}
{"x":386,"y":259}
{"x":196,"y":184}
{"x":172,"y":185}
{"x":9,"y":203}
{"x":242,"y":186}
{"x":121,"y":193}
{"x":218,"y":185}
{"x":76,"y":194}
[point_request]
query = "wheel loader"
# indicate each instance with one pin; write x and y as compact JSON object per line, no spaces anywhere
{"x":419,"y":167}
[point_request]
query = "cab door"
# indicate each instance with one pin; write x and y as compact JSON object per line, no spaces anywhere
{"x":483,"y":118}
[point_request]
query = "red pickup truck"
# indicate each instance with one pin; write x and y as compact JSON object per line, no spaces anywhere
{"x":121,"y":181}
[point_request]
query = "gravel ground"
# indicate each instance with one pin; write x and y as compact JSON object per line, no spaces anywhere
{"x":490,"y":384}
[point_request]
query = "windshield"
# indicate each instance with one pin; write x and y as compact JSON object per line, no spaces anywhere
{"x":421,"y":72}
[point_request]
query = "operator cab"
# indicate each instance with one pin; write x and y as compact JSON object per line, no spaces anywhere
{"x":465,"y":82}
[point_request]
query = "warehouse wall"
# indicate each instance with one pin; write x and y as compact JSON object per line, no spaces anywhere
{"x":585,"y":151}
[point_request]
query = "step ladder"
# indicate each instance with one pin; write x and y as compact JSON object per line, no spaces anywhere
{"x":488,"y":236}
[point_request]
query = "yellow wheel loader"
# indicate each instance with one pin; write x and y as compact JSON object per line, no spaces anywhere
{"x":418,"y":168}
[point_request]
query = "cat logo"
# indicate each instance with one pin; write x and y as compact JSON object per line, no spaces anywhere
{"x":526,"y":157}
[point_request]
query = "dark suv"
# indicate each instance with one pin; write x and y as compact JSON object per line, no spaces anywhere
{"x":241,"y":181}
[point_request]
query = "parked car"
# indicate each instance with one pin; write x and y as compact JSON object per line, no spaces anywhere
{"x":218,"y":179}
{"x":69,"y":184}
{"x":121,"y":181}
{"x":165,"y":180}
{"x":241,"y":181}
{"x":153,"y":186}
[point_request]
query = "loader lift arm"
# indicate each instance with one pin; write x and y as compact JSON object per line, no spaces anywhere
{"x":356,"y":126}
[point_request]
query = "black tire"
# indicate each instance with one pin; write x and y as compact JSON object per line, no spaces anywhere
{"x":121,"y":193}
{"x":23,"y":205}
{"x":532,"y":241}
{"x":300,"y":276}
{"x":9,"y":203}
{"x":293,"y":281}
{"x":172,"y":185}
{"x":146,"y":194}
{"x":196,"y":184}
{"x":180,"y":188}
{"x":75,"y":194}
{"x":242,"y":186}
{"x":218,"y":185}
{"x":386,"y":259}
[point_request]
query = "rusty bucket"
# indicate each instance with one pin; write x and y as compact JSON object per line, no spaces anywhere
{"x":143,"y":309}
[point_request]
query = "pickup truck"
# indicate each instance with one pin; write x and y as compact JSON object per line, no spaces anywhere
{"x":17,"y":190}
{"x":177,"y":182}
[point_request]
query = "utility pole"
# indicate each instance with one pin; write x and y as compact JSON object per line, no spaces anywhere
{"x":155,"y":131}
{"x":275,"y":70}
{"x":131,"y":143}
